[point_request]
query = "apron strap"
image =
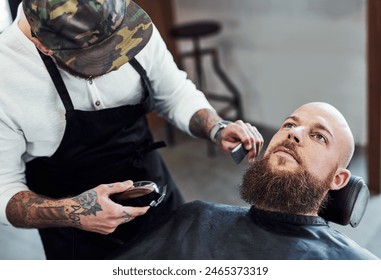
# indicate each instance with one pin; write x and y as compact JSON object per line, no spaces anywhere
{"x":57,"y":80}
{"x":64,"y":94}
{"x":143,"y":75}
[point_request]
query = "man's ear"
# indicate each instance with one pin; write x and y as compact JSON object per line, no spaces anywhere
{"x":41,"y":46}
{"x":341,"y":179}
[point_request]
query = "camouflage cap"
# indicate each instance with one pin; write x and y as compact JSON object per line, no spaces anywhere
{"x":91,"y":37}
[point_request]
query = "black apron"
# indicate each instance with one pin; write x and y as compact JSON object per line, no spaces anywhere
{"x":98,"y":147}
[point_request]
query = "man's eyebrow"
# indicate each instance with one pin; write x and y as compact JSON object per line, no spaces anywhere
{"x":317,"y":125}
{"x":295,"y":118}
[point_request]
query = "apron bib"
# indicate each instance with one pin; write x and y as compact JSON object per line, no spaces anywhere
{"x":98,"y":147}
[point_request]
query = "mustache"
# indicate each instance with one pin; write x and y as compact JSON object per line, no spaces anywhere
{"x":290,"y":147}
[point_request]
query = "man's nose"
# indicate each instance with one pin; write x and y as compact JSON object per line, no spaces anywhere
{"x":295,"y":134}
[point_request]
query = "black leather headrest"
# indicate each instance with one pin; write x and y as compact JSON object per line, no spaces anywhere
{"x":347,"y":205}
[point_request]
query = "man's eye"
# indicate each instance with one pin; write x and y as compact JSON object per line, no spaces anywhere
{"x":289,"y":125}
{"x":320,"y":137}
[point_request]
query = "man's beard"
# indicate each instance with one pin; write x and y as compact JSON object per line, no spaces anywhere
{"x":294,"y":192}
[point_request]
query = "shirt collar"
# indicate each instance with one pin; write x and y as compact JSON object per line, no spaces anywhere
{"x":269,"y":216}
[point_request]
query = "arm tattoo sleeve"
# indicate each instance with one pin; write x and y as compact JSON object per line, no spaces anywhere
{"x":29,"y":210}
{"x":202,"y":121}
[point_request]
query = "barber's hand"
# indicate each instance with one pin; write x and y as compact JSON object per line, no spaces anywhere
{"x":240,"y":132}
{"x":94,"y":211}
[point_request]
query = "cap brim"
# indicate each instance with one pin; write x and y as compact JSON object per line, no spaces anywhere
{"x":125,"y":43}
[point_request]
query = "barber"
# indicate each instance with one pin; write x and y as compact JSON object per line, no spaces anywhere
{"x":73,"y":128}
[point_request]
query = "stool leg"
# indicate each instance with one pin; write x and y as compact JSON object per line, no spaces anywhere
{"x":170,"y":134}
{"x":224,"y":78}
{"x":198,"y":64}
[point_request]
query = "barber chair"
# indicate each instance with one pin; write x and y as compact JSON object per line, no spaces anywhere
{"x":347,"y":205}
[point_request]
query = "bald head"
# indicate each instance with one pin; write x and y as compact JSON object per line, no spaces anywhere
{"x":338,"y":125}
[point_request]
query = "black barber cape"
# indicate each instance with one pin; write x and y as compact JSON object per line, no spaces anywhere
{"x":200,"y":230}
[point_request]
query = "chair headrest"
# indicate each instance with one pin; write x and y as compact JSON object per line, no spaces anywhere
{"x":347,"y":205}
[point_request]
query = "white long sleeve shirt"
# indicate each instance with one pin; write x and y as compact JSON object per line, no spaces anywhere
{"x":32,"y":116}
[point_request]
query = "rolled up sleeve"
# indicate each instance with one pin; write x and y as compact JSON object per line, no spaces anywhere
{"x":12,"y":166}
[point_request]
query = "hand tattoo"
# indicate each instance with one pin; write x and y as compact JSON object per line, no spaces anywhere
{"x":88,"y":201}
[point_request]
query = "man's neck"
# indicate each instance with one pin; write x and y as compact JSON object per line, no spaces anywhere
{"x":24,"y":27}
{"x":272,"y":209}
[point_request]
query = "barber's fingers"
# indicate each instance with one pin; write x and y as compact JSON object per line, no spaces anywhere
{"x":240,"y":132}
{"x":113,"y":188}
{"x":253,"y":137}
{"x":256,"y":142}
{"x":130,"y":213}
{"x":250,"y":137}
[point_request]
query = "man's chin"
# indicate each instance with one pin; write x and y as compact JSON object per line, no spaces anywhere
{"x":277,"y":163}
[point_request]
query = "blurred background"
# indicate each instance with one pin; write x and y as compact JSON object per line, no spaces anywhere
{"x":278,"y":55}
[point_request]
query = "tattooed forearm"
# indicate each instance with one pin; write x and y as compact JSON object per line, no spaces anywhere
{"x":202,"y":121}
{"x":28,"y":210}
{"x":47,"y":213}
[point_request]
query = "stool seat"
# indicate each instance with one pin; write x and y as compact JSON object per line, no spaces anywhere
{"x":195,"y":30}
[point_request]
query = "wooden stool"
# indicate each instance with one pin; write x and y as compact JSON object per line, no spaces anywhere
{"x":195,"y":31}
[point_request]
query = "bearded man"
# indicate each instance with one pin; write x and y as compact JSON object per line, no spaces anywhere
{"x":286,"y":189}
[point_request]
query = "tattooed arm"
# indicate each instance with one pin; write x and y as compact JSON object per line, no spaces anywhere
{"x":202,"y":122}
{"x":92,"y":210}
{"x":227,"y":139}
